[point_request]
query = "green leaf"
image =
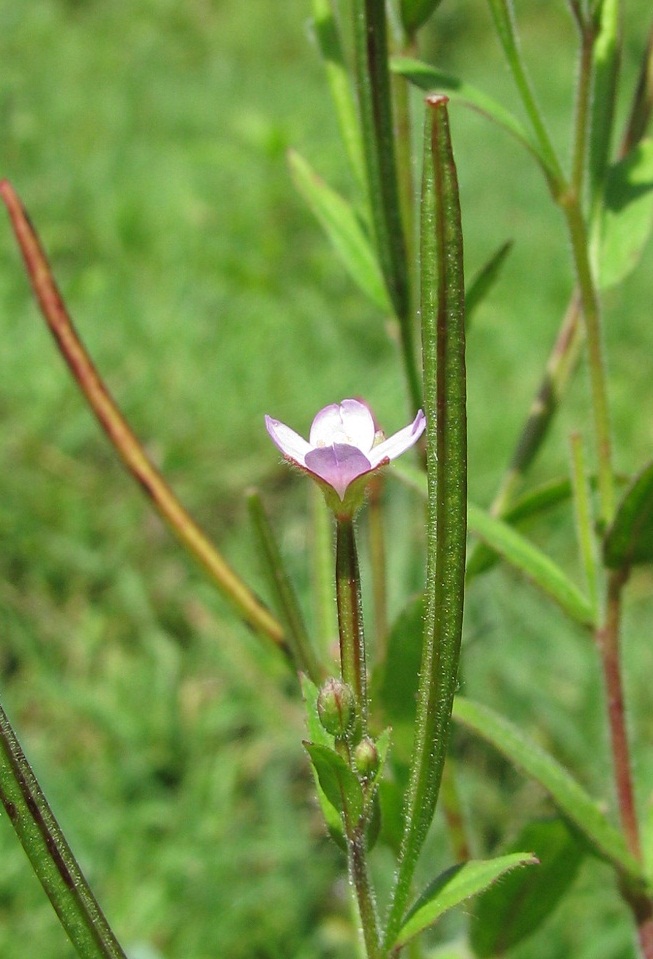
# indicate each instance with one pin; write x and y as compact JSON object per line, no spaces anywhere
{"x":328,"y":39}
{"x":453,"y":887}
{"x":395,"y":684}
{"x":570,"y":798}
{"x":391,"y":800}
{"x":532,"y":562}
{"x":415,"y":13}
{"x":513,"y":909}
{"x":628,"y":214}
{"x":629,"y":540}
{"x":318,"y":734}
{"x":485,"y":279}
{"x":339,"y":783}
{"x":530,"y":505}
{"x":429,"y":78}
{"x":341,"y":225}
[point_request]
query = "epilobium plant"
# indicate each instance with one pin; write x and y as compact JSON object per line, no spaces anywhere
{"x":378,"y":740}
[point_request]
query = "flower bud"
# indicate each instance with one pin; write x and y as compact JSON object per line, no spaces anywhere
{"x":366,"y":758}
{"x":336,"y":707}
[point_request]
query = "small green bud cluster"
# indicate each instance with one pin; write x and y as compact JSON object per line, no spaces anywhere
{"x":336,"y":707}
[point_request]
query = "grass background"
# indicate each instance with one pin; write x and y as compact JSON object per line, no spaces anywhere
{"x":148,"y":140}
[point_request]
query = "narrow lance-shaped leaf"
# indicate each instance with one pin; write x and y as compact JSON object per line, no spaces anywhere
{"x":629,"y":540}
{"x":319,"y":736}
{"x":605,"y":55}
{"x":426,"y":77}
{"x":415,"y":13}
{"x":532,"y":563}
{"x":443,"y":348}
{"x":484,"y":280}
{"x":628,"y":214}
{"x":340,"y":785}
{"x":569,"y":797}
{"x":49,"y":853}
{"x":513,"y":909}
{"x":326,"y":32}
{"x":502,"y":14}
{"x":454,"y":887}
{"x":288,"y":607}
{"x":343,"y":229}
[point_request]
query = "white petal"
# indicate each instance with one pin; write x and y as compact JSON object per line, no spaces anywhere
{"x":290,"y":443}
{"x":349,"y":423}
{"x":398,"y":443}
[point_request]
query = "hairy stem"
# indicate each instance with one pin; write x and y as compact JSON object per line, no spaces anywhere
{"x":350,"y":619}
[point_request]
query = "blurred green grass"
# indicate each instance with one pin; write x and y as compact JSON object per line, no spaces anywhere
{"x":148,"y":140}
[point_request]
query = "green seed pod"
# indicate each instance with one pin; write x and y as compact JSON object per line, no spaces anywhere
{"x":336,"y":707}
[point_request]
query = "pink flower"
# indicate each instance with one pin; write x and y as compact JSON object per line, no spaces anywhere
{"x":343,"y":446}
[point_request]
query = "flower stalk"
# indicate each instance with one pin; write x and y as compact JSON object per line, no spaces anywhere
{"x":350,"y":621}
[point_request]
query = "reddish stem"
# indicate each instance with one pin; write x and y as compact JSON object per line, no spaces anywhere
{"x":120,"y":433}
{"x":607,"y":638}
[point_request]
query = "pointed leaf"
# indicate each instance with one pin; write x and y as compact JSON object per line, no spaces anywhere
{"x":415,"y":13}
{"x":513,"y":909}
{"x":340,"y":785}
{"x":328,"y":39}
{"x":628,"y":215}
{"x":318,"y":734}
{"x":395,"y":684}
{"x":569,"y":797}
{"x":430,"y":78}
{"x":391,"y":800}
{"x":485,"y":279}
{"x":533,"y":563}
{"x":453,"y":887}
{"x":629,"y":540}
{"x":341,"y":225}
{"x":531,"y":504}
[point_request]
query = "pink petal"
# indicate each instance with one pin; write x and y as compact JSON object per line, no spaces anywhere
{"x":349,"y":423}
{"x":337,"y":465}
{"x":290,"y":443}
{"x":399,"y":442}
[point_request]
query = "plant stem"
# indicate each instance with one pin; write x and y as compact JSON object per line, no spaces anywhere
{"x":592,"y":322}
{"x":350,"y":619}
{"x":50,"y":855}
{"x":581,"y":125}
{"x":364,"y":894}
{"x":375,"y":107}
{"x":243,"y":600}
{"x":354,"y":672}
{"x":584,"y":519}
{"x":608,"y":643}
